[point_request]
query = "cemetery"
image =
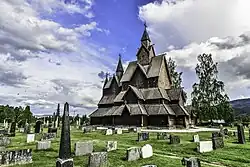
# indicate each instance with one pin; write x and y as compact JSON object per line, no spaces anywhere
{"x":104,"y":147}
{"x":143,"y":118}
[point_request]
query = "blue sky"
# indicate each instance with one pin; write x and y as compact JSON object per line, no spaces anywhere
{"x":52,"y":51}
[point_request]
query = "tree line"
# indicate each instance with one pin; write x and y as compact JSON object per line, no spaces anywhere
{"x":209,"y":99}
{"x":20,"y":115}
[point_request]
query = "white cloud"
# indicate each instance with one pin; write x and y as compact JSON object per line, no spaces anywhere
{"x":43,"y":63}
{"x":186,"y":28}
{"x":71,"y":7}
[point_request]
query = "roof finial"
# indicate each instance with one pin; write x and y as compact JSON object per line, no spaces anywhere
{"x":145,"y":24}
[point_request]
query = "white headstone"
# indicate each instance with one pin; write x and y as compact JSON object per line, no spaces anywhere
{"x":138,"y":129}
{"x":47,"y":123}
{"x":147,"y":151}
{"x":109,"y":132}
{"x":119,"y":131}
{"x":83,"y":148}
{"x":205,"y":146}
{"x":43,"y":145}
{"x":196,"y":138}
{"x":30,"y":138}
{"x":6,"y":125}
{"x":21,"y":130}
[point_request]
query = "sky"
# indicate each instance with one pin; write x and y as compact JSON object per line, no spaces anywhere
{"x":56,"y":51}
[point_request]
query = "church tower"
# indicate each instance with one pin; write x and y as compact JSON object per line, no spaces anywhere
{"x":119,"y":68}
{"x":146,"y":51}
{"x":145,"y":40}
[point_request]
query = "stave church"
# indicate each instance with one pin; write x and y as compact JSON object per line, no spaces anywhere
{"x":142,"y":95}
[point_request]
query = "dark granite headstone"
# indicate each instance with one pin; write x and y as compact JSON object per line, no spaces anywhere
{"x":163,"y":136}
{"x":241,"y":134}
{"x":13,"y":129}
{"x":218,"y":142}
{"x":38,"y":126}
{"x":48,"y":136}
{"x":174,"y":139}
{"x":143,"y":136}
{"x":52,"y":130}
{"x":65,"y":159}
{"x":191,"y":162}
{"x":87,"y":129}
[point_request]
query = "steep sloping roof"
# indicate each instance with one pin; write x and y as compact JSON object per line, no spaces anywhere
{"x":164,"y":93}
{"x":169,"y":109}
{"x":155,"y":66}
{"x":151,"y":93}
{"x":156,"y":109}
{"x":119,"y":97}
{"x":108,"y":84}
{"x":129,"y":71}
{"x":100,"y":112}
{"x":179,"y":110}
{"x":136,"y":109}
{"x":115,"y":110}
{"x":108,"y":99}
{"x":137,"y":92}
{"x":154,"y":93}
{"x":174,"y":94}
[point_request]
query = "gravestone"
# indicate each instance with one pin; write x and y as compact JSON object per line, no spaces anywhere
{"x":218,"y":142}
{"x":13,"y":129}
{"x":21,"y":130}
{"x":98,"y":159}
{"x":191,"y":162}
{"x":16,"y":157}
{"x":146,"y":151}
{"x":43,"y":145}
{"x":196,"y":138}
{"x":226,"y":132}
{"x":174,"y":139}
{"x":109,"y":132}
{"x":133,"y":153}
{"x":65,"y":159}
{"x":205,"y":146}
{"x":48,"y":136}
{"x":87,"y":129}
{"x":27,"y":128}
{"x":143,"y":136}
{"x":111,"y":146}
{"x":83,"y":148}
{"x":38,"y":126}
{"x":149,"y":166}
{"x":138,"y":129}
{"x":4,"y":141}
{"x":118,"y":131}
{"x":3,"y":132}
{"x":163,"y":136}
{"x":241,"y":134}
{"x":52,"y":130}
{"x":30,"y":138}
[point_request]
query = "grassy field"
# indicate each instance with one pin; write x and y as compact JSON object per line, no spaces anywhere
{"x":233,"y":154}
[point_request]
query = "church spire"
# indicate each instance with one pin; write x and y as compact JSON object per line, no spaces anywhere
{"x":106,"y":80}
{"x":145,"y":37}
{"x":119,"y":68}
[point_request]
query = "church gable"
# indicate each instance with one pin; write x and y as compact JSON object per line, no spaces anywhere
{"x":139,"y":78}
{"x":143,"y":56}
{"x":164,"y":79}
{"x":112,"y":87}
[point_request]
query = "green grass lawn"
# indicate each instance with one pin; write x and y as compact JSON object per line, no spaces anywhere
{"x":233,"y":154}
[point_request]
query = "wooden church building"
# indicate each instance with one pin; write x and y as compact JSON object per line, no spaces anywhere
{"x":142,"y":95}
